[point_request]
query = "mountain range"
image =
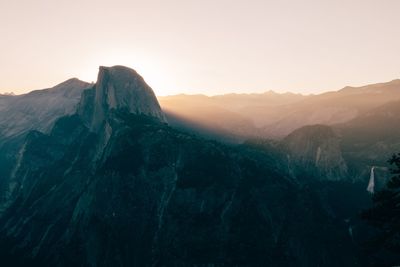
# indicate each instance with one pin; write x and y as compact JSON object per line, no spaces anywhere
{"x":104,"y":175}
{"x":274,"y":115}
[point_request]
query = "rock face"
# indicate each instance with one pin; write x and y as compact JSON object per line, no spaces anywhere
{"x":118,"y":88}
{"x":317,"y":149}
{"x":38,"y":109}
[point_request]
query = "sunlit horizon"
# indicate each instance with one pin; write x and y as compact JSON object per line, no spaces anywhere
{"x":155,"y":79}
{"x":207,"y":47}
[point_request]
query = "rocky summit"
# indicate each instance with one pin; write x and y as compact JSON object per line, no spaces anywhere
{"x":118,"y":88}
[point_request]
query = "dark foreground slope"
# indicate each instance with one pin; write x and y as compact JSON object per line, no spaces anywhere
{"x":160,"y":197}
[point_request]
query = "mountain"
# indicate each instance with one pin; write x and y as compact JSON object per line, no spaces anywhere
{"x":367,"y":141}
{"x":317,"y":149}
{"x":114,"y":185}
{"x":333,"y":107}
{"x":118,"y":87}
{"x":273,"y":115}
{"x":102,"y":174}
{"x":374,"y":134}
{"x":38,"y":109}
{"x":336,"y":143}
{"x":206,"y":115}
{"x":231,"y":114}
{"x":157,"y":197}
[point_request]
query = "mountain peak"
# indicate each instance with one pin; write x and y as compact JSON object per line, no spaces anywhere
{"x":73,"y":83}
{"x":118,"y":88}
{"x":119,"y":72}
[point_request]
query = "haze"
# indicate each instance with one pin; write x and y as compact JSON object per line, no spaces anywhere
{"x":210,"y":47}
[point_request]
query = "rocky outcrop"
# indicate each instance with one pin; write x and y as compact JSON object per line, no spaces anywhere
{"x":317,"y":150}
{"x":118,"y":88}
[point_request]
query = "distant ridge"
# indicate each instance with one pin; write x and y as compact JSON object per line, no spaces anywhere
{"x":275,"y":115}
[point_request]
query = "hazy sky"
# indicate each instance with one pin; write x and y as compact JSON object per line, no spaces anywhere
{"x":202,"y":46}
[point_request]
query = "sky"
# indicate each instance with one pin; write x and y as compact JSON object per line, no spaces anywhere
{"x":202,"y":47}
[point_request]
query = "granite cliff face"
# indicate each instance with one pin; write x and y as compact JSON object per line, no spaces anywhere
{"x":114,"y":185}
{"x":317,"y":150}
{"x":118,"y":88}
